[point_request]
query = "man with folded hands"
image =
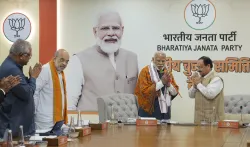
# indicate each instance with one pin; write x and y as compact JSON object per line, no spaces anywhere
{"x":50,"y":96}
{"x":155,"y":89}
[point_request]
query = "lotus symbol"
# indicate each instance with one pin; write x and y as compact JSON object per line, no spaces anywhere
{"x":17,"y":25}
{"x":200,"y":11}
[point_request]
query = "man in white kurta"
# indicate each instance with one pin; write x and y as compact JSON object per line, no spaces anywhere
{"x":44,"y":94}
{"x":208,"y":91}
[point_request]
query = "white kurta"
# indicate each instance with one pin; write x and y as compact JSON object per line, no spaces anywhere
{"x":210,"y":91}
{"x":44,"y":98}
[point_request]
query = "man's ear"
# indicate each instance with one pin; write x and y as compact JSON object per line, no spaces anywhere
{"x":122,"y":29}
{"x":94,"y":31}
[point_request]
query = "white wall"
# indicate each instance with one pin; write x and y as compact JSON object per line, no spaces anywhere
{"x":146,"y":21}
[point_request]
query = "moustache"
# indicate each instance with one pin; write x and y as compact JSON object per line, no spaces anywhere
{"x":107,"y":38}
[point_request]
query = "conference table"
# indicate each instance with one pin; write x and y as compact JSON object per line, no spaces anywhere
{"x":164,"y":135}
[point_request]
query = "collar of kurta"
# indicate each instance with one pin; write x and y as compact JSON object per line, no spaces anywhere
{"x":105,"y":54}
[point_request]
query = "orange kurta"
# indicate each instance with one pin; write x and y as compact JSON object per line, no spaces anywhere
{"x":145,"y":90}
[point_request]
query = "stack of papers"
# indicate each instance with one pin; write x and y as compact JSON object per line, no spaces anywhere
{"x":39,"y":138}
{"x":147,"y":118}
{"x":42,"y":131}
{"x":131,"y":120}
{"x":232,"y":120}
{"x":169,"y":121}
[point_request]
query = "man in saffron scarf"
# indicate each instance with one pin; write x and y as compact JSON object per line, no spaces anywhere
{"x":155,"y":89}
{"x":50,"y":95}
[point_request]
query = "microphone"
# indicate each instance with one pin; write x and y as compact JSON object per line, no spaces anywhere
{"x":236,"y":103}
{"x":241,"y":113}
{"x":241,"y":107}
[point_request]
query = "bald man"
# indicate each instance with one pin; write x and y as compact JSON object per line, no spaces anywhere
{"x":50,"y":95}
{"x":102,"y":69}
{"x":155,"y":89}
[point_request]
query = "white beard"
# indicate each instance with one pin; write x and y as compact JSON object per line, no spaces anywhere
{"x":164,"y":66}
{"x":108,"y":48}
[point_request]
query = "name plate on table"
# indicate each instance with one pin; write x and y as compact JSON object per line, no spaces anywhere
{"x":4,"y":144}
{"x":57,"y":141}
{"x":145,"y":122}
{"x":100,"y":126}
{"x":84,"y":131}
{"x":229,"y":124}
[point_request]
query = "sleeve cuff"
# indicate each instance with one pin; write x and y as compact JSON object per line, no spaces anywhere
{"x":33,"y":80}
{"x":159,"y":85}
{"x":199,"y":86}
{"x":172,"y":90}
{"x":3,"y":91}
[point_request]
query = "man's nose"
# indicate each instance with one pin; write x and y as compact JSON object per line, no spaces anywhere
{"x":111,"y":32}
{"x":161,"y":62}
{"x":64,"y":63}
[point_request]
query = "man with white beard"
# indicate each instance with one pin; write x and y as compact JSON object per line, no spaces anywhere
{"x":102,"y":69}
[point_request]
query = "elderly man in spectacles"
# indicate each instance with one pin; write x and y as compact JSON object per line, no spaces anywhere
{"x":18,"y":106}
{"x":208,"y":92}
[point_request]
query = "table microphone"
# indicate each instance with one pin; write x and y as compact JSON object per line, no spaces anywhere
{"x":241,"y":107}
{"x":236,"y":103}
{"x":241,"y":113}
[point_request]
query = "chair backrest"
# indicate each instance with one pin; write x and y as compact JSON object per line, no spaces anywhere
{"x":233,"y":104}
{"x":124,"y":105}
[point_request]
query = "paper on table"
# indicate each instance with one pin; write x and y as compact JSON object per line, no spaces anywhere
{"x":50,"y":137}
{"x":232,"y":120}
{"x":131,"y":120}
{"x":42,"y":131}
{"x":169,"y":121}
{"x":148,"y":118}
{"x":35,"y":138}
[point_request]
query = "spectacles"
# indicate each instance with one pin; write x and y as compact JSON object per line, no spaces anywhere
{"x":26,"y":54}
{"x":200,"y":68}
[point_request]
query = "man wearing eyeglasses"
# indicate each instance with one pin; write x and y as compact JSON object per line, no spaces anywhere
{"x":102,"y":69}
{"x":18,"y":106}
{"x":50,"y":95}
{"x":208,"y":91}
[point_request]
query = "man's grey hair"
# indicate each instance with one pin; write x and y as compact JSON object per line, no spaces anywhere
{"x":104,"y":12}
{"x":160,"y":53}
{"x":20,"y":46}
